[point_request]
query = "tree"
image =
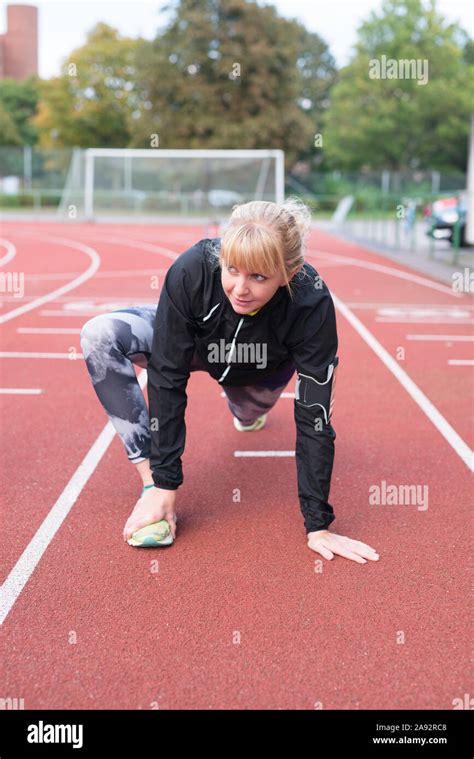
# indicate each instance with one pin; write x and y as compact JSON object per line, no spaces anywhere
{"x":18,"y":103}
{"x":8,"y":129}
{"x":90,"y":104}
{"x":399,"y":123}
{"x":232,"y":74}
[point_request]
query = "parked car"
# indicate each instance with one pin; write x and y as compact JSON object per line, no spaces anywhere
{"x":443,"y":214}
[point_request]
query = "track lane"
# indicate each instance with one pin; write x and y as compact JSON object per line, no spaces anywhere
{"x":243,"y":568}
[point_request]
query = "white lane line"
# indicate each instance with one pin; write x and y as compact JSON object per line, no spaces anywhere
{"x":390,"y":270}
{"x":460,"y":362}
{"x":92,"y":308}
{"x":28,"y":561}
{"x":94,"y":312}
{"x":26,"y":564}
{"x":101,"y":274}
{"x":262,"y":454}
{"x":428,"y":408}
{"x":94,"y":265}
{"x":20,"y":391}
{"x":11,"y":251}
{"x":283,"y":395}
{"x":450,"y":338}
{"x":405,"y":306}
{"x":85,"y":299}
{"x":441,"y":312}
{"x":48,"y":330}
{"x":70,"y":313}
{"x":24,"y":354}
{"x":452,"y":322}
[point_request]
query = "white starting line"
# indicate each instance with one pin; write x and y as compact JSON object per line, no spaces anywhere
{"x":283,"y":395}
{"x":262,"y":454}
{"x":447,"y":338}
{"x":49,"y":330}
{"x":20,"y":391}
{"x":21,"y":354}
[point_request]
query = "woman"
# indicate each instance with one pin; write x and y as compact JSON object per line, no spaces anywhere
{"x":250,"y":311}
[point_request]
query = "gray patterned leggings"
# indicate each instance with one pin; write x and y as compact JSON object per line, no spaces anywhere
{"x":112,"y":342}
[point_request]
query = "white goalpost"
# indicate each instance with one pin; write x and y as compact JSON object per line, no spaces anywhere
{"x":112,"y":182}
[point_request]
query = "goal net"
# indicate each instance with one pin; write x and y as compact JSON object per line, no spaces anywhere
{"x":151,"y":183}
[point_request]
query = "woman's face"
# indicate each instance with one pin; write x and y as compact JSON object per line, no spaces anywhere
{"x":248,"y":291}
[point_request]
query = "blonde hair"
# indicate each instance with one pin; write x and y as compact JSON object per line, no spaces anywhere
{"x":267,"y":238}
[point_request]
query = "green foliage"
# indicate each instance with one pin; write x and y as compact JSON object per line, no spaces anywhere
{"x":90,"y":104}
{"x":232,"y":74}
{"x":399,"y":123}
{"x":18,"y":103}
{"x":8,"y":129}
{"x":183,"y":86}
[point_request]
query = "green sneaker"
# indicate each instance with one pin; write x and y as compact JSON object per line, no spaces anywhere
{"x":152,"y":535}
{"x":257,"y":425}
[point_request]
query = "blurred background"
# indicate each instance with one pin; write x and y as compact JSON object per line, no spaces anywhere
{"x":371,"y":103}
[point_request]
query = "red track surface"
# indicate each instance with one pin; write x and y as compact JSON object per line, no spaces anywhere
{"x":145,"y":638}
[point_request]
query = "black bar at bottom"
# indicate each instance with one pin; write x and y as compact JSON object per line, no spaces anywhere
{"x":29,"y":733}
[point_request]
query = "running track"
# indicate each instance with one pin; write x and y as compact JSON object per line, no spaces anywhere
{"x":238,"y":613}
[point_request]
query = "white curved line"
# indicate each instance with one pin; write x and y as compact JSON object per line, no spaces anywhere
{"x":95,"y":263}
{"x":150,"y":247}
{"x":11,"y":251}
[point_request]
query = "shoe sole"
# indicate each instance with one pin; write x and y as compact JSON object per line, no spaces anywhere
{"x":251,"y":428}
{"x":150,"y":537}
{"x":150,"y":542}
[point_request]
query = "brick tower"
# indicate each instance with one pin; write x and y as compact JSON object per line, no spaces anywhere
{"x":19,"y":44}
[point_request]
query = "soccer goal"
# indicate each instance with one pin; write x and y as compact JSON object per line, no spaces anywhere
{"x":153,"y":183}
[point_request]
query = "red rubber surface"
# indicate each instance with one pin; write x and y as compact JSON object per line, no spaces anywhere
{"x":391,"y":634}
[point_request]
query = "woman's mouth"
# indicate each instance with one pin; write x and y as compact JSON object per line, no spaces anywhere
{"x":241,"y":302}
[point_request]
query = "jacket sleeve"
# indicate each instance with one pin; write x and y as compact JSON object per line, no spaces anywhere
{"x":316,"y":362}
{"x":168,"y":373}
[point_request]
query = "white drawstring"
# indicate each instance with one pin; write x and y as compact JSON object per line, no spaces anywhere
{"x":231,"y":350}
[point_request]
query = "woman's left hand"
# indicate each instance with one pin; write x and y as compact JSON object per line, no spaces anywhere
{"x":328,"y":543}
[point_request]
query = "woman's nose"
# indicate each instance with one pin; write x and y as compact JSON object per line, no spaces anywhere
{"x":241,"y":288}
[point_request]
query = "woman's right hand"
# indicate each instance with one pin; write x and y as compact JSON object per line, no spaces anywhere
{"x":154,"y":505}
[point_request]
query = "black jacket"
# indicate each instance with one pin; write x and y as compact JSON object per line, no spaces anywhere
{"x":194,"y":312}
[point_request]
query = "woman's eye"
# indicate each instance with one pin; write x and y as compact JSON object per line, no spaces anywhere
{"x":262,"y":278}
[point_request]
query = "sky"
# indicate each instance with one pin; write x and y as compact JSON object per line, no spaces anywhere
{"x":63,"y":24}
